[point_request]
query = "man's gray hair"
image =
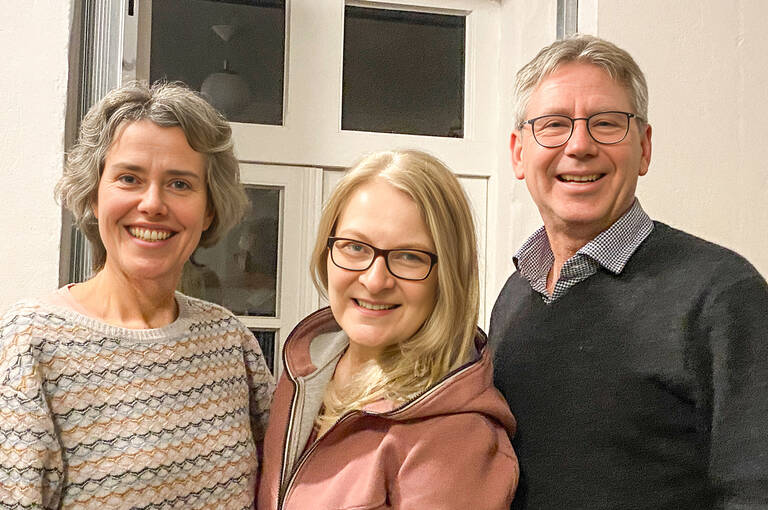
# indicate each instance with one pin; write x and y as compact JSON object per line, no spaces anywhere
{"x":584,"y":49}
{"x":167,"y":105}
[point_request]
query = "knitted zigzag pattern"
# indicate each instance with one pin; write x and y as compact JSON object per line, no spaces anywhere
{"x":94,"y":416}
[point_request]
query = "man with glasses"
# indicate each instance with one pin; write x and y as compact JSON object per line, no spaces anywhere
{"x":634,"y":355}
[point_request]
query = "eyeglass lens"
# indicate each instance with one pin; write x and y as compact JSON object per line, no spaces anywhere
{"x":606,"y":128}
{"x":357,"y":256}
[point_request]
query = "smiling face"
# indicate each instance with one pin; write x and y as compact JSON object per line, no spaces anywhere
{"x":152,"y":202}
{"x":373,"y":307}
{"x":581,"y":187}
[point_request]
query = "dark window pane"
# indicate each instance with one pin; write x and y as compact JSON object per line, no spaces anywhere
{"x":403,"y":72}
{"x":240,"y":271}
{"x":232,"y":51}
{"x":267,"y":343}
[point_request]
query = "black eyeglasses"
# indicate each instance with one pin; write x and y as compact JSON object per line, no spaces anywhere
{"x":354,"y":255}
{"x":607,"y":128}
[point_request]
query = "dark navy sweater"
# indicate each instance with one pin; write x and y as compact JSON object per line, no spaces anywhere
{"x":643,"y":390}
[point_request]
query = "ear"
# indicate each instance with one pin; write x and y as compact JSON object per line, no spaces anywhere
{"x":95,"y":209}
{"x":516,"y":148}
{"x":645,"y":146}
{"x":209,"y":215}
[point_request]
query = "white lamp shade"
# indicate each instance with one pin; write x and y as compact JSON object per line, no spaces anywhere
{"x":227,"y":91}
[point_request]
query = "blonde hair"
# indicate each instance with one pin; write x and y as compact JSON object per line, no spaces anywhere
{"x":167,"y":105}
{"x":446,"y":339}
{"x":586,"y":49}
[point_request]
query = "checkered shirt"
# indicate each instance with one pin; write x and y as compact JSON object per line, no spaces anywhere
{"x":611,"y":249}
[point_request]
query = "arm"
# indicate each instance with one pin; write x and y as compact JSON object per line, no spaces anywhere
{"x":736,"y":323}
{"x":261,"y":385}
{"x":31,"y":467}
{"x":458,"y":462}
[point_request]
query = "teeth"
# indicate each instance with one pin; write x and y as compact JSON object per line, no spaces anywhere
{"x":580,"y":178}
{"x":146,"y":234}
{"x":371,"y":306}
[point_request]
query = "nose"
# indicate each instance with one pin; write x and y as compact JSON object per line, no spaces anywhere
{"x":581,"y":143}
{"x":377,"y":277}
{"x":153,"y":202}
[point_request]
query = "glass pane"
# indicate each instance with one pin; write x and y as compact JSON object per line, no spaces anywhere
{"x":267,"y":343}
{"x":233,"y":51}
{"x":240,"y":271}
{"x":403,"y":72}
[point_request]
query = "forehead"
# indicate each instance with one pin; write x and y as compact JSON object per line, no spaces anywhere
{"x":578,"y":88}
{"x":145,"y":139}
{"x":381,"y":213}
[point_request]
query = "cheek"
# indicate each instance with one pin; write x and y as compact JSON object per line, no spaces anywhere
{"x":338,"y":281}
{"x":426,"y":298}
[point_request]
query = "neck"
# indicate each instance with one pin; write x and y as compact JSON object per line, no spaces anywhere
{"x":565,"y":239}
{"x":564,"y":244}
{"x":123,"y":302}
{"x":351,"y":362}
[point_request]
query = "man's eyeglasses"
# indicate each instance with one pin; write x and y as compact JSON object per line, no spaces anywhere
{"x":354,"y":255}
{"x":607,"y":128}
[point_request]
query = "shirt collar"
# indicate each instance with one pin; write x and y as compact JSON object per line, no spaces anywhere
{"x":612,"y":248}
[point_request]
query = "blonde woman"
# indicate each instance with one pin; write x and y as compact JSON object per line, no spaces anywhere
{"x":387,"y":400}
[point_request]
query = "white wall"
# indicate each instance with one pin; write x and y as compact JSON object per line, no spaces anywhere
{"x":33,"y":87}
{"x":705,"y":66}
{"x":705,"y":63}
{"x":526,"y":27}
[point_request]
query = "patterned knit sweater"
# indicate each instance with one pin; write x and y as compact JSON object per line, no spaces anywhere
{"x":98,"y":416}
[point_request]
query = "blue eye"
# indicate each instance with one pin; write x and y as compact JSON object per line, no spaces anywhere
{"x":352,"y":247}
{"x":179,"y":185}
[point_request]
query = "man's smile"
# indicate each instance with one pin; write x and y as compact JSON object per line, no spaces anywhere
{"x":579,"y":178}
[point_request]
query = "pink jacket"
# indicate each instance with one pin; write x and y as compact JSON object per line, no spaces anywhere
{"x":447,"y":449}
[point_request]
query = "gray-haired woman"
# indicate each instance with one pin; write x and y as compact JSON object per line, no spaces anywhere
{"x":119,"y":391}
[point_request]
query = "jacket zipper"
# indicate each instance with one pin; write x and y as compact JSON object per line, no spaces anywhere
{"x":289,"y":428}
{"x":288,"y":432}
{"x":302,"y":460}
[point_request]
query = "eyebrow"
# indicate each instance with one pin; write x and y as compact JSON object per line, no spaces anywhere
{"x":568,"y":112}
{"x":172,"y":171}
{"x":359,"y":236}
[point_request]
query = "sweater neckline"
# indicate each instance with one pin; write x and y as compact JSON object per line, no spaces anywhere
{"x":179,"y":326}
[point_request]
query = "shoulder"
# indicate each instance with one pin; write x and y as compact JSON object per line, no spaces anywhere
{"x":688,"y":249}
{"x":27,"y":313}
{"x":200,"y":307}
{"x":515,"y":286}
{"x":28,"y":332}
{"x":205,"y":319}
{"x":515,"y":297}
{"x":711,"y":280}
{"x":452,"y":435}
{"x":205,"y":315}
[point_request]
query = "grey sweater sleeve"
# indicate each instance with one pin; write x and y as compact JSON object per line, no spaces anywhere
{"x":734,"y":320}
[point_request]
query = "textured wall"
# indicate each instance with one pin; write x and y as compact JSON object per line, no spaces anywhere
{"x":33,"y":87}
